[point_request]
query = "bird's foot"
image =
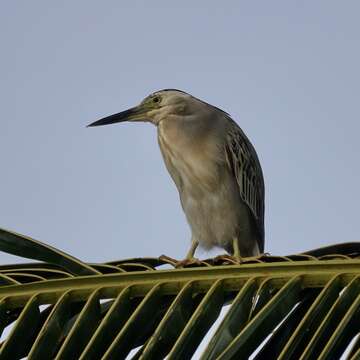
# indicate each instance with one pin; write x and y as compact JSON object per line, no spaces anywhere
{"x":236,"y":260}
{"x":253,"y":259}
{"x":188,"y":262}
{"x":168,"y":260}
{"x":226,"y":259}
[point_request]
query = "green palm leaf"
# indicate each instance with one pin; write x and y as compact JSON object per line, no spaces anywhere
{"x":304,"y":306}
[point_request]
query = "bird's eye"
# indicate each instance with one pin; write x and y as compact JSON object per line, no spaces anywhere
{"x":156,"y":99}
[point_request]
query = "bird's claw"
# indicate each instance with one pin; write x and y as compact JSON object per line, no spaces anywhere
{"x":237,"y":260}
{"x":188,"y":262}
{"x":226,"y":258}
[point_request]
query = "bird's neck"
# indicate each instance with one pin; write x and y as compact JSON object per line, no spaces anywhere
{"x":183,"y":131}
{"x":190,"y":157}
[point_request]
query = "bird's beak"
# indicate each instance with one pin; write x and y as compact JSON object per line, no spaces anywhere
{"x":137,"y":113}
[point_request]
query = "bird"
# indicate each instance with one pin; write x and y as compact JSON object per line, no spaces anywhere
{"x":214,"y":166}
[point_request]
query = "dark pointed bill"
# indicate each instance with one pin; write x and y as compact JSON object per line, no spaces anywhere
{"x":132,"y":114}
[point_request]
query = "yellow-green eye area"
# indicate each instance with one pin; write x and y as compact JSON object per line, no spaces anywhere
{"x":156,"y":99}
{"x":152,"y":101}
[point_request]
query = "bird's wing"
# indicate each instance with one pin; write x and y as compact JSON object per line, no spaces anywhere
{"x":244,"y":164}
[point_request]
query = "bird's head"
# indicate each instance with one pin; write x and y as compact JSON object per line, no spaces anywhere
{"x":156,"y":107}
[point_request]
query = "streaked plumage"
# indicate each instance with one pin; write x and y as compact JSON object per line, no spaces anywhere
{"x":245,"y":166}
{"x":214,"y":166}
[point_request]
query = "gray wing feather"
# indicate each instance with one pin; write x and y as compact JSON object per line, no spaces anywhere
{"x":244,"y":164}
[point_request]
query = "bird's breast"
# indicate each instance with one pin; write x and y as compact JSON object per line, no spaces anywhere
{"x":208,"y":192}
{"x":192,"y":164}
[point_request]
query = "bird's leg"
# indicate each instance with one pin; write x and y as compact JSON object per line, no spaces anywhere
{"x":193,"y":247}
{"x":236,"y":250}
{"x":235,"y":258}
{"x":237,"y":255}
{"x":190,"y":259}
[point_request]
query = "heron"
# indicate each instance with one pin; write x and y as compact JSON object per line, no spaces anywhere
{"x":214,"y":167}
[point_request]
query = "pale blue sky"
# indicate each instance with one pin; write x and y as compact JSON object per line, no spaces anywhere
{"x":287,"y":71}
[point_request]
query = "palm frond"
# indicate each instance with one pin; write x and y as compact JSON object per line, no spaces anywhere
{"x":302,"y":306}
